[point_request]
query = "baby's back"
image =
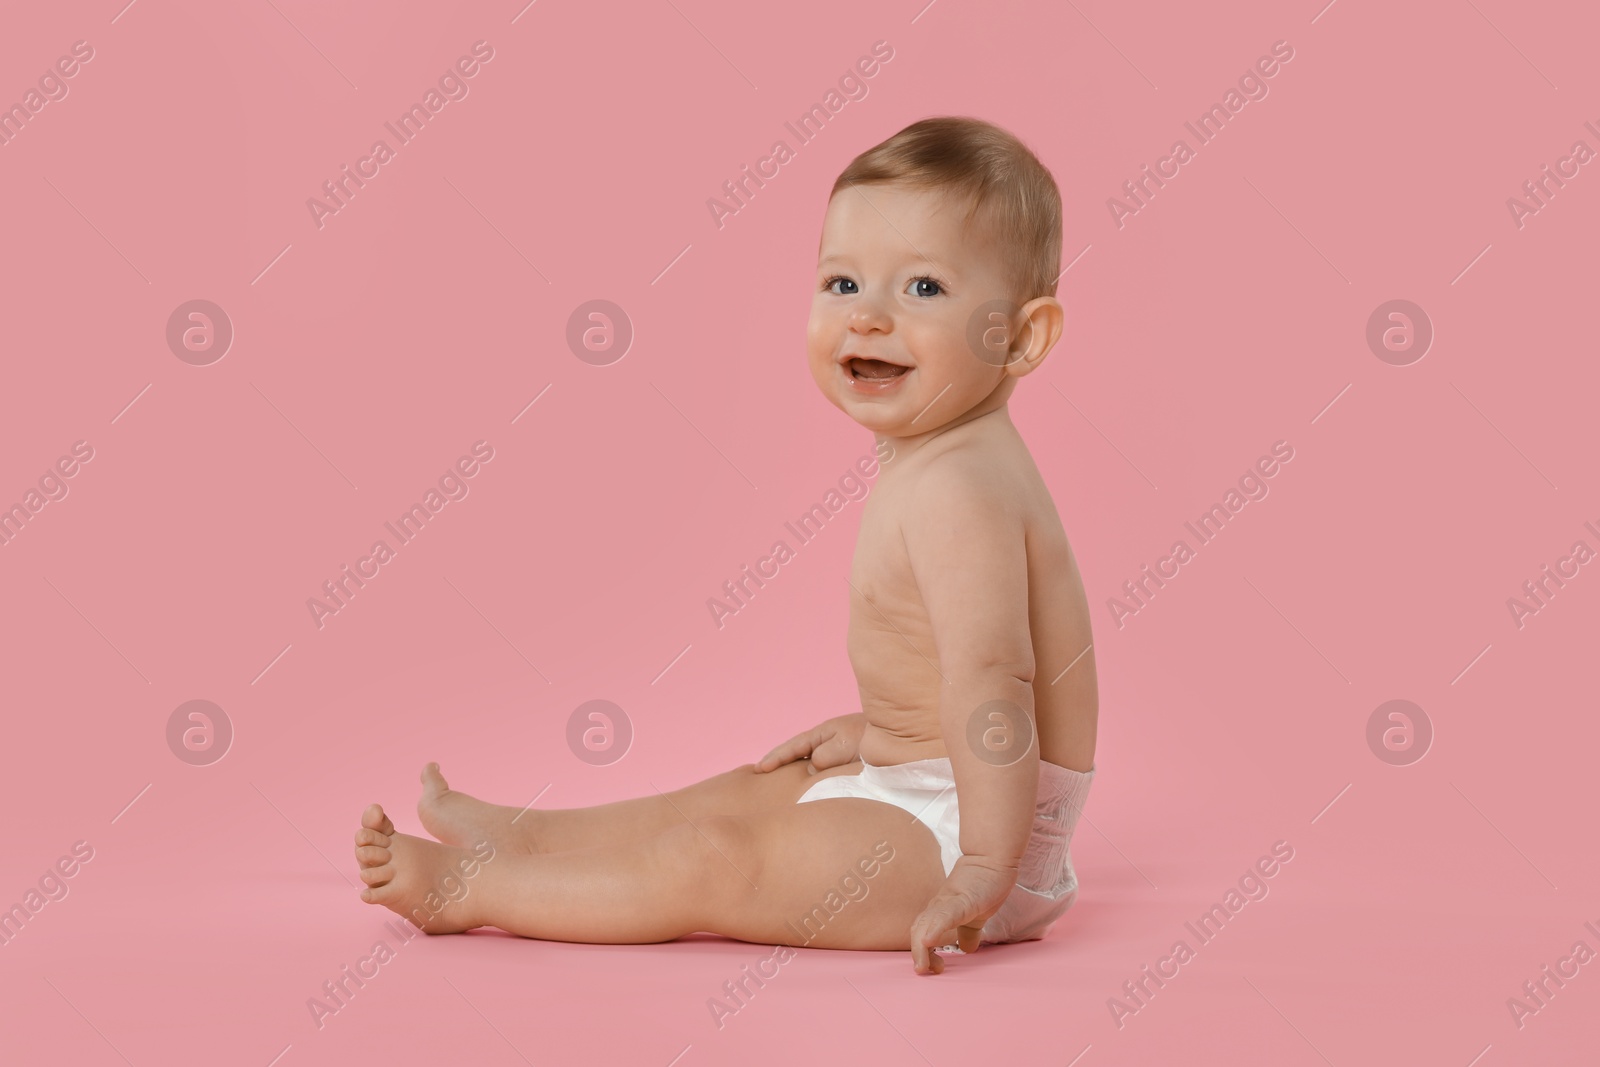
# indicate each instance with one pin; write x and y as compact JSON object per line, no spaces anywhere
{"x":891,"y":640}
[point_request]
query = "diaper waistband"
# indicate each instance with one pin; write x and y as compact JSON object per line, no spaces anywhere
{"x":1061,"y":794}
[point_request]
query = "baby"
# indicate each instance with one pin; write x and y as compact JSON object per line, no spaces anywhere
{"x":940,"y":815}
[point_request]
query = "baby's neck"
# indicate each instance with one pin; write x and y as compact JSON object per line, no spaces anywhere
{"x":994,"y":406}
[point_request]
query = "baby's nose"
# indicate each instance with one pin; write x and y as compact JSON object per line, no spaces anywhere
{"x":866,"y":317}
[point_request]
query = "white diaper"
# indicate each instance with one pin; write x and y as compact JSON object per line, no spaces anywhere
{"x":1046,"y":883}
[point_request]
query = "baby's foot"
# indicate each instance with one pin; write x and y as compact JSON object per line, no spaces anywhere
{"x":418,"y":879}
{"x":458,"y":819}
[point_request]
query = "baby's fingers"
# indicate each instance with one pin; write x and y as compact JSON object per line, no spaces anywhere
{"x":795,"y":748}
{"x":934,"y":928}
{"x":833,"y":752}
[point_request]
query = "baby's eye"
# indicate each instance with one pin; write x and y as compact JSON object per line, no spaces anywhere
{"x":925,"y":286}
{"x":839,"y":279}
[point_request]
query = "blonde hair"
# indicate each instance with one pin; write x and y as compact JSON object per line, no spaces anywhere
{"x":995,"y":172}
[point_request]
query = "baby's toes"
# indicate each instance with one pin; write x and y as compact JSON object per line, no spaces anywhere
{"x":371,"y":837}
{"x":378,"y":875}
{"x":374,"y":819}
{"x":378,"y":895}
{"x":372,"y":855}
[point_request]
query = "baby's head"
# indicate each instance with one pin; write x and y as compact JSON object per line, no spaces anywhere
{"x":936,"y":277}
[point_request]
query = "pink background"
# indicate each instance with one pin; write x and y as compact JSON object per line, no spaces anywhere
{"x":1226,"y":315}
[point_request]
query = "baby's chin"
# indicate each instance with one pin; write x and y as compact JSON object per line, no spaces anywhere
{"x":890,"y":423}
{"x":874,"y":417}
{"x":896,"y":417}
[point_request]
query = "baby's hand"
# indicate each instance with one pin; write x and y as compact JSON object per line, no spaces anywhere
{"x":830,"y":744}
{"x":957,"y":912}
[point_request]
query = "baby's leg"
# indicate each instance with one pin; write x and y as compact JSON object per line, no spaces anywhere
{"x":791,"y":875}
{"x":459,"y":819}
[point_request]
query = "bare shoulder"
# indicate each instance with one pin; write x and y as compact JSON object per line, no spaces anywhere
{"x":987,"y":467}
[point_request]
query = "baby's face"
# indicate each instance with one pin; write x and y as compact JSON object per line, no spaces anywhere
{"x":898,"y":282}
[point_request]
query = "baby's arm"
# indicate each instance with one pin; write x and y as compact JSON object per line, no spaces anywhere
{"x":968,"y":550}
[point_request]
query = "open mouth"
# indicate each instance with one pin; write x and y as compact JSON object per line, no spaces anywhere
{"x":874,"y":370}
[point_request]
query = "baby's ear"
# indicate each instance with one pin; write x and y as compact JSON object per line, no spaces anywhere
{"x":1043,"y":319}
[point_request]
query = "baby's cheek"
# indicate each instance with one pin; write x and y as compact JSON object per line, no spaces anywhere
{"x":819,"y":340}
